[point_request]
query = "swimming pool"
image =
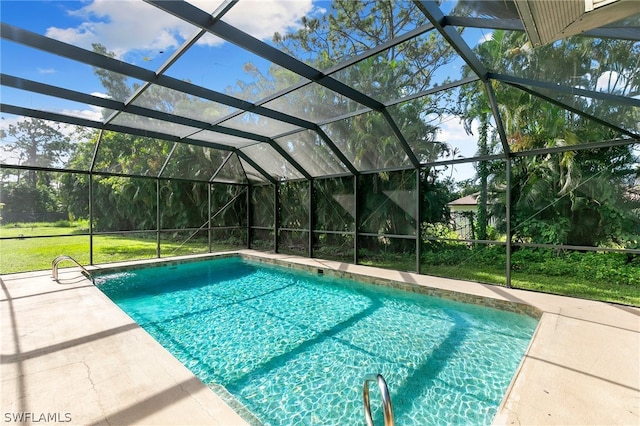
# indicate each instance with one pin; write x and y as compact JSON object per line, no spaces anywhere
{"x":293,"y":347}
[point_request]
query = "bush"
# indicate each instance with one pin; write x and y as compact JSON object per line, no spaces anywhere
{"x":62,"y":224}
{"x":614,"y":268}
{"x":604,"y":267}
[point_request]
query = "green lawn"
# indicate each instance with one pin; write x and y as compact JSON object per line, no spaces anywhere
{"x":566,"y":285}
{"x":39,"y":229}
{"x":32,"y":254}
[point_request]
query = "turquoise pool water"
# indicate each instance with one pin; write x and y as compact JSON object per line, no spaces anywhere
{"x":293,"y":347}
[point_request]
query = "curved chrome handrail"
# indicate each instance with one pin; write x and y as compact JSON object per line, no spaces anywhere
{"x":386,"y":399}
{"x":57,"y":260}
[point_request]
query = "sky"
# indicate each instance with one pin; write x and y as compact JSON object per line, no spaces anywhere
{"x":116,"y":24}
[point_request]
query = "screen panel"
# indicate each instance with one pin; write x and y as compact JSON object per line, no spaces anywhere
{"x":334,"y":200}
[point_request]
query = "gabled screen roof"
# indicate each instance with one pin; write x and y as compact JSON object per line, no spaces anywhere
{"x":266,"y":91}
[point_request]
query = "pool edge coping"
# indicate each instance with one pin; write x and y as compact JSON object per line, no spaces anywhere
{"x":554,"y":361}
{"x":333,"y":268}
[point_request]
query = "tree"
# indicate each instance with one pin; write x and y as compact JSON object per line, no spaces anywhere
{"x":574,"y":197}
{"x":474,"y":107}
{"x":24,"y":202}
{"x":131,"y":202}
{"x":348,"y":29}
{"x":37,"y":143}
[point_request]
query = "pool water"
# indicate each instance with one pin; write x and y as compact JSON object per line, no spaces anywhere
{"x":293,"y":347}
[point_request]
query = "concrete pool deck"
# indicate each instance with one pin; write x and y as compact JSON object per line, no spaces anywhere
{"x":69,"y":355}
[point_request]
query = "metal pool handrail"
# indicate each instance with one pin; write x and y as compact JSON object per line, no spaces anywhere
{"x":386,"y":399}
{"x":57,"y":260}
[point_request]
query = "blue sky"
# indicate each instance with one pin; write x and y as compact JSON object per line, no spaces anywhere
{"x":117,"y":25}
{"x":140,"y":34}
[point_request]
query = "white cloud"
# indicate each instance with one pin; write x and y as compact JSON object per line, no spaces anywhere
{"x":486,"y":37}
{"x":8,"y":156}
{"x":612,"y":82}
{"x":127,"y":26}
{"x":451,"y":131}
{"x":15,"y":156}
{"x":7,"y":121}
{"x":210,"y":40}
{"x":122,"y":27}
{"x":263,"y":18}
{"x":101,"y":95}
{"x":94,"y":113}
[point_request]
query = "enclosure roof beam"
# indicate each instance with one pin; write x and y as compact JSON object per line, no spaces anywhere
{"x":223,"y":9}
{"x":201,"y":19}
{"x":434,"y":14}
{"x":99,"y":173}
{"x":45,"y":89}
{"x":174,"y":57}
{"x":337,"y":151}
{"x":221,"y":166}
{"x":581,"y":147}
{"x":119,"y":106}
{"x":95,"y":59}
{"x":78,"y":121}
{"x":510,"y":24}
{"x":94,"y":155}
{"x":49,"y":90}
{"x":253,"y":164}
{"x":159,"y":115}
{"x":433,"y":90}
{"x":496,"y":115}
{"x":405,"y":145}
{"x":37,"y":41}
{"x":289,"y":158}
{"x":168,"y":159}
{"x":576,"y":111}
{"x":490,"y":157}
{"x":342,"y":65}
{"x":603,"y":96}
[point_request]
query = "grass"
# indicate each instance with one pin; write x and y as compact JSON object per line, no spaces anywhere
{"x":565,"y":285}
{"x":39,"y":229}
{"x":33,"y":254}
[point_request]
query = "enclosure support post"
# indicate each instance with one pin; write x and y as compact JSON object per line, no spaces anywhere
{"x":311,"y":223}
{"x":356,"y":218}
{"x":418,"y":221}
{"x":209,"y":189}
{"x":157,"y":218}
{"x":90,"y":218}
{"x":508,"y":224}
{"x":276,"y":222}
{"x":248,"y":216}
